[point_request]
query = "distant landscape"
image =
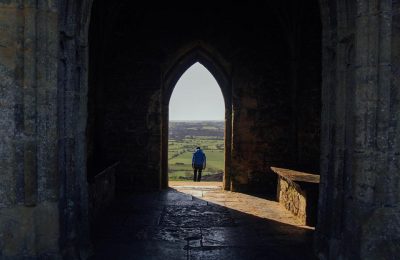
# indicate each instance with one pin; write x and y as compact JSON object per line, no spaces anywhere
{"x":184,"y":137}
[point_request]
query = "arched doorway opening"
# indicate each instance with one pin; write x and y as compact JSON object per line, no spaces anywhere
{"x":196,"y":119}
{"x":202,"y":56}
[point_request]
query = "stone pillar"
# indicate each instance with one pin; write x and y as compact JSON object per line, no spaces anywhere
{"x":359,"y":212}
{"x":376,"y":155}
{"x":71,"y":106}
{"x":43,"y":193}
{"x":29,"y":213}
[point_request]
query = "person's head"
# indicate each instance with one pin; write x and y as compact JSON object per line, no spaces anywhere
{"x":198,"y":148}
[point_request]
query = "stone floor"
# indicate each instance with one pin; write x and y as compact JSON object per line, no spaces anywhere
{"x":200,"y":222}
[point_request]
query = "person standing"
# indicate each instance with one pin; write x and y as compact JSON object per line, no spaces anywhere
{"x":198,"y":163}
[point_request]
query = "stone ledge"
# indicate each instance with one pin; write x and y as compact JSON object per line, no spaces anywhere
{"x":298,"y":193}
{"x":102,"y":190}
{"x":296,"y":176}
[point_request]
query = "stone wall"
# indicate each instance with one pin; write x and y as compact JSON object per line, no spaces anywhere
{"x":131,"y":55}
{"x":72,"y":88}
{"x":67,"y":107}
{"x":29,"y":214}
{"x":358,"y":208}
{"x":124,"y":99}
{"x":51,"y":119}
{"x":276,"y":92}
{"x":43,"y":196}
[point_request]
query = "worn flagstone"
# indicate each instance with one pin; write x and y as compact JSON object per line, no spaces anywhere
{"x":200,"y":222}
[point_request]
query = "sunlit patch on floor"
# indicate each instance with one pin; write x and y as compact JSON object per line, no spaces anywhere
{"x":260,"y":207}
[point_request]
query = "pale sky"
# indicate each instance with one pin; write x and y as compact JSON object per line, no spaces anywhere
{"x":197,"y":96}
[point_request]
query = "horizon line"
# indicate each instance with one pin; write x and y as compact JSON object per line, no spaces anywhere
{"x":195,"y":120}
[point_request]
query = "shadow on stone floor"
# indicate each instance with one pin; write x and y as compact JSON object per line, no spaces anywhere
{"x":172,"y":224}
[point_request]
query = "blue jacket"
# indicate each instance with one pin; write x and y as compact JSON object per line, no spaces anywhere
{"x":199,"y":158}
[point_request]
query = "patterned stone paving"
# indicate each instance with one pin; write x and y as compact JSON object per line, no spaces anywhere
{"x":191,"y":221}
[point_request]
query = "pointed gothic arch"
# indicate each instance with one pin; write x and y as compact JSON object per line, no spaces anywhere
{"x":220,"y":71}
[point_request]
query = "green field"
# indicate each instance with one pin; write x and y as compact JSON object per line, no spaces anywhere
{"x":180,"y":153}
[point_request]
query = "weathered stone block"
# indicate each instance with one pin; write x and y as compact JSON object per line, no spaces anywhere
{"x":381,"y":233}
{"x":29,"y":231}
{"x":298,"y":192}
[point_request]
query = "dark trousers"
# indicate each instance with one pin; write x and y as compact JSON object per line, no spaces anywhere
{"x":197,"y":172}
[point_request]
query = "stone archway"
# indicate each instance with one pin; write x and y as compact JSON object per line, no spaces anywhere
{"x":219,"y":69}
{"x":345,"y":113}
{"x":44,"y":61}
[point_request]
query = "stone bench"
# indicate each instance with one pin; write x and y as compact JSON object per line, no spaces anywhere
{"x":102,"y":190}
{"x":298,"y":192}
